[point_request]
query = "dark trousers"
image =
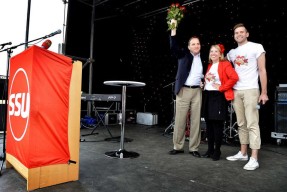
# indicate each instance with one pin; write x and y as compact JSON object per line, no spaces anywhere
{"x":214,"y":130}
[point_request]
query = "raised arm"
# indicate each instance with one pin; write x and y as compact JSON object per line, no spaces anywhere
{"x":173,"y":31}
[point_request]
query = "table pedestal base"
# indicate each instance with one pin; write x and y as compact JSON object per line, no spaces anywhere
{"x":122,"y":154}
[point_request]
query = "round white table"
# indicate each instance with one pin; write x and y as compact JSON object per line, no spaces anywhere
{"x":122,"y":153}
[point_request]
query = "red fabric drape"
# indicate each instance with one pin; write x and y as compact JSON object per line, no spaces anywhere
{"x":38,"y":105}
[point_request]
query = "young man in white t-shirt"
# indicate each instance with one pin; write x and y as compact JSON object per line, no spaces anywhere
{"x":249,"y":63}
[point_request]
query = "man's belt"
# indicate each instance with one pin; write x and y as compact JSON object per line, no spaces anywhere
{"x":192,"y":86}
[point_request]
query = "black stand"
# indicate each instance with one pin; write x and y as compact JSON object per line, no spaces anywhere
{"x":230,"y":132}
{"x":169,"y":129}
{"x":9,"y":52}
{"x":122,"y":153}
{"x":101,"y":121}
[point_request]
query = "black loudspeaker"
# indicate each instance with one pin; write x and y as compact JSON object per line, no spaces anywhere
{"x":2,"y":116}
{"x":280,"y":117}
{"x":280,"y":110}
{"x":131,"y":116}
{"x":2,"y":102}
{"x":111,"y":119}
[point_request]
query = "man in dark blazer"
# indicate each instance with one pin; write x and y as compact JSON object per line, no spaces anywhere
{"x":188,"y":94}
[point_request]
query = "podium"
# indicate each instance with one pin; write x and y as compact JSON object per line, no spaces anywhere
{"x":43,"y":115}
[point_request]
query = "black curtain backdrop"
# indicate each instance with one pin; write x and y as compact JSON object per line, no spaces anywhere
{"x":131,"y":43}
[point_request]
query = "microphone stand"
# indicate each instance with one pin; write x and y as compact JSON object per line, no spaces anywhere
{"x":9,"y":52}
{"x":14,"y":47}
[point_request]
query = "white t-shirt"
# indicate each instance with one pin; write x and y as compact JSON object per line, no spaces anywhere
{"x":212,"y":77}
{"x":244,"y":59}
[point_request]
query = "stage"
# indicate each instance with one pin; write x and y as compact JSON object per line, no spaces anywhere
{"x":155,"y":170}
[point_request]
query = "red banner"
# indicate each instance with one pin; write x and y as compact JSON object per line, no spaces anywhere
{"x":38,"y":105}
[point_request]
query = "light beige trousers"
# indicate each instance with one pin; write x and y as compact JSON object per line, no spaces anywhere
{"x":186,"y":99}
{"x":247,"y":116}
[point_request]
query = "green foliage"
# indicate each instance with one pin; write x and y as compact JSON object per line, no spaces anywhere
{"x":175,"y":12}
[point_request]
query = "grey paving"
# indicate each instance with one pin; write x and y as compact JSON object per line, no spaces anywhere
{"x":156,"y":170}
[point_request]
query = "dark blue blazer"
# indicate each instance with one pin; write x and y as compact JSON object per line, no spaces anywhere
{"x":185,"y":59}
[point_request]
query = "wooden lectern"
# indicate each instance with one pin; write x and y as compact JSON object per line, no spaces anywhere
{"x":43,"y":115}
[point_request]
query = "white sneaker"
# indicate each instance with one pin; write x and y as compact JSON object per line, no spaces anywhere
{"x":251,"y":165}
{"x":238,"y":157}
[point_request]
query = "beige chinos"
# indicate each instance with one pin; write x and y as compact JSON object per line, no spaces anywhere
{"x":244,"y":103}
{"x":188,"y":98}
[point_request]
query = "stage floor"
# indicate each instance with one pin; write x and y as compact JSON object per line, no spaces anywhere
{"x":155,"y":170}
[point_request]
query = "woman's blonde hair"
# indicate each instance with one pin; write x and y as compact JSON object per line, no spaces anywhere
{"x":221,"y":49}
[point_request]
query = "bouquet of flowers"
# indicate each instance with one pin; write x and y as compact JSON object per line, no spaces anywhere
{"x":175,"y":12}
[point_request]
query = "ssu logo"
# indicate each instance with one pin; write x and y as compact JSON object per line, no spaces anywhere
{"x":19,"y":104}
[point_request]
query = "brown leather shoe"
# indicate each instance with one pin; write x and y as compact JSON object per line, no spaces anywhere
{"x":174,"y":152}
